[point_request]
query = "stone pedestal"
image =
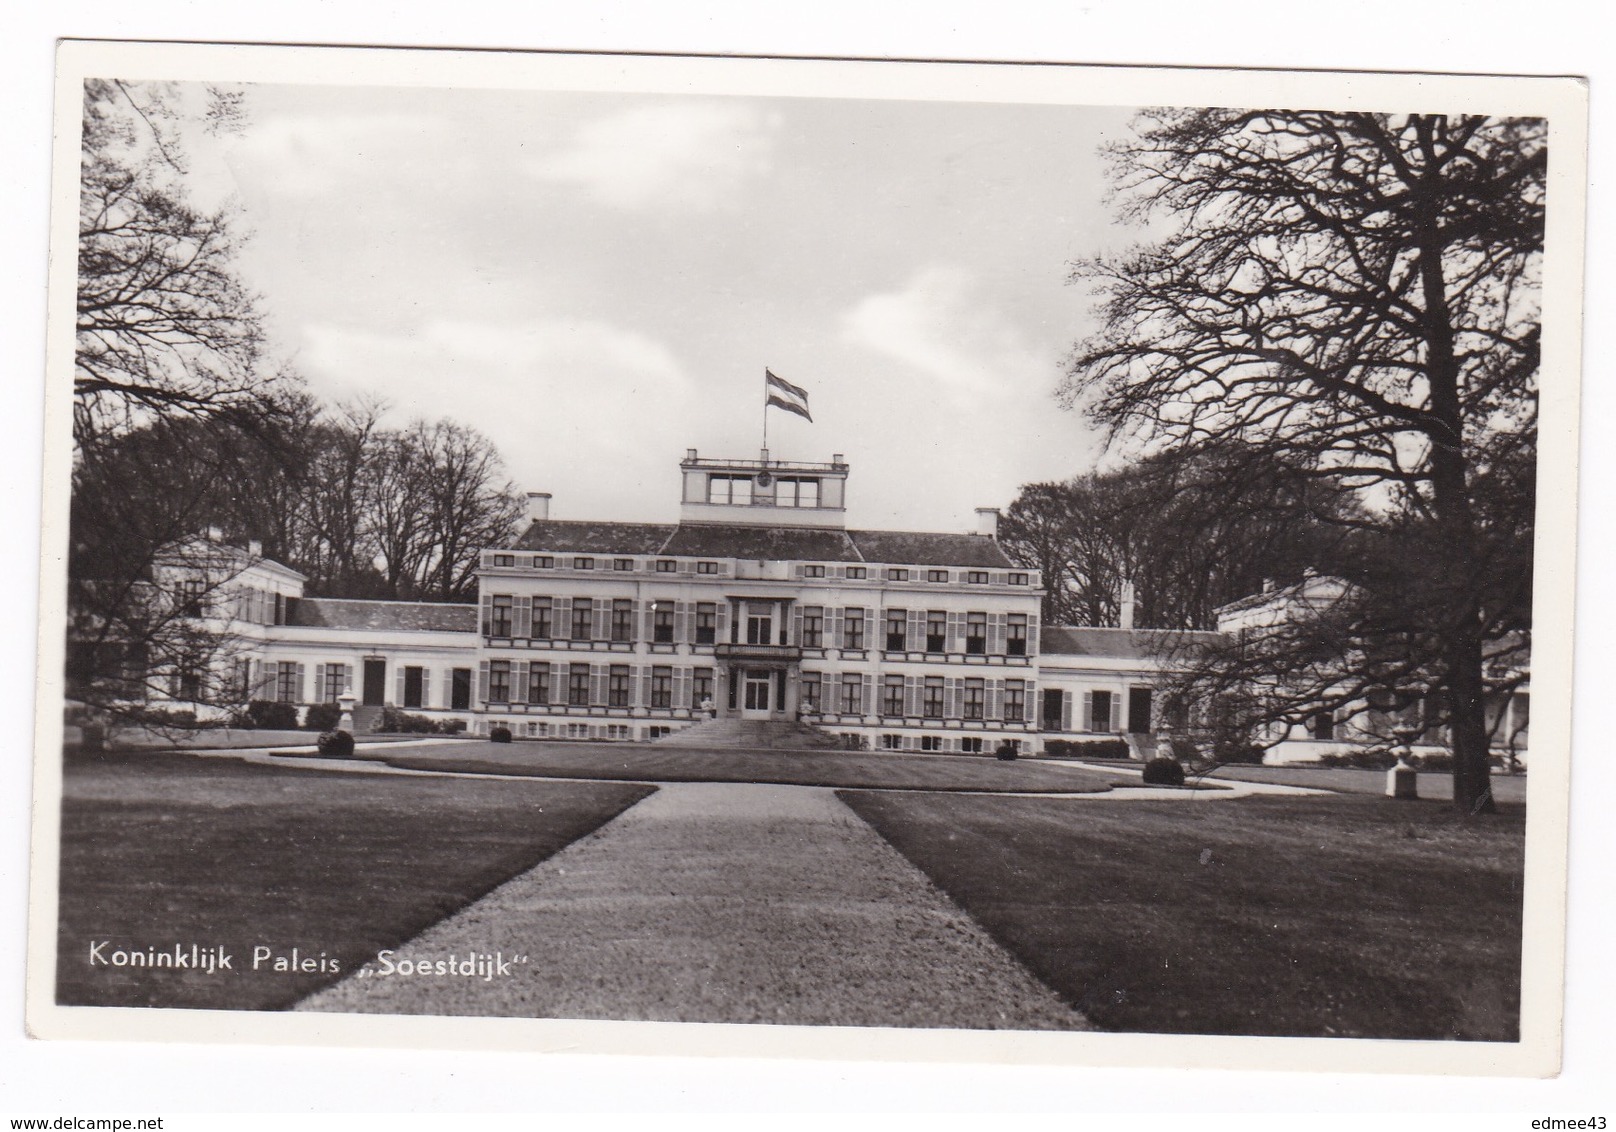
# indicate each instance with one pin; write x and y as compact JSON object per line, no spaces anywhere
{"x":1402,"y":779}
{"x":346,"y":703}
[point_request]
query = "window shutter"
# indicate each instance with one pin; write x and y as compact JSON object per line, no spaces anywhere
{"x":681,"y":688}
{"x":916,"y":636}
{"x":681,"y":622}
{"x":833,"y":627}
{"x":601,"y":616}
{"x":426,"y":687}
{"x":686,"y":566}
{"x":796,"y":623}
{"x":272,"y":672}
{"x":644,"y":683}
{"x":995,"y":699}
{"x":723,"y":621}
{"x":867,"y":706}
{"x":956,"y":632}
{"x":523,"y":618}
{"x":482,"y":681}
{"x":996,"y":633}
{"x":297,"y":685}
{"x":1116,"y":712}
{"x":447,"y":695}
{"x":644,"y":618}
{"x":911,"y":696}
{"x":319,"y":685}
{"x":597,"y":684}
{"x":519,"y":672}
{"x":1066,"y":711}
{"x":1029,"y":706}
{"x":955,"y":706}
{"x":488,"y":615}
{"x":347,"y":677}
{"x":634,"y":611}
{"x":1088,"y":712}
{"x":398,"y":685}
{"x":561,"y":618}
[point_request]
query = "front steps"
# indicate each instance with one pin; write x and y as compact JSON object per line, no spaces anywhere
{"x":754,"y":734}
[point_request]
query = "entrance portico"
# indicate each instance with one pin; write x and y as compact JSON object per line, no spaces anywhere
{"x":759,"y":670}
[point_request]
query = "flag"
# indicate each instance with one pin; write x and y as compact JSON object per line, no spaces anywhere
{"x":779,"y":392}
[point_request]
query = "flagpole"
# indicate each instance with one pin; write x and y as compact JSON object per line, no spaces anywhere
{"x":765,"y":408}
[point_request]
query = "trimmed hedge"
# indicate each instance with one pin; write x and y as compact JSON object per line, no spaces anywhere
{"x":1164,"y":772}
{"x":499,"y":734}
{"x":394,"y":720}
{"x":1087,"y":749}
{"x":322,"y":717}
{"x":268,"y":715}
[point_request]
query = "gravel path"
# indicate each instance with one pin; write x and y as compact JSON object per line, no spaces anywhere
{"x":719,"y":902}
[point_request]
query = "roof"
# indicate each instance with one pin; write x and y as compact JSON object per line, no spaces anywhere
{"x":595,"y":538}
{"x":780,"y":544}
{"x":421,"y":616}
{"x":919,"y":548}
{"x":764,"y":543}
{"x":1117,"y":644}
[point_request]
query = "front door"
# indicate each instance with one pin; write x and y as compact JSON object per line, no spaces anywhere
{"x":1054,"y":709}
{"x":1139,"y":711}
{"x":375,"y":682}
{"x":756,"y":686}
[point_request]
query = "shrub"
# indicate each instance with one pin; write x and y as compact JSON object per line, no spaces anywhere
{"x":1371,"y":758}
{"x":499,"y":734}
{"x":1087,"y":749}
{"x":1164,"y":772}
{"x":394,"y":720}
{"x":164,"y":718}
{"x":452,"y":726}
{"x":322,"y":717}
{"x":336,"y":744}
{"x":268,"y":715}
{"x":1237,"y":752}
{"x":1440,"y":760}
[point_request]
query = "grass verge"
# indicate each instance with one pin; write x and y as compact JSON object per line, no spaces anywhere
{"x":1331,"y":917}
{"x":627,"y":762}
{"x":166,"y":851}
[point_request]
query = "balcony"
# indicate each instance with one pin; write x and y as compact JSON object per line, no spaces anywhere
{"x":779,"y":654}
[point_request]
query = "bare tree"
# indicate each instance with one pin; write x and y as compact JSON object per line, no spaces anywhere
{"x":1354,"y":297}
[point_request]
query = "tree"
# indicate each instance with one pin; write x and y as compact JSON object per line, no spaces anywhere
{"x":1353,"y":297}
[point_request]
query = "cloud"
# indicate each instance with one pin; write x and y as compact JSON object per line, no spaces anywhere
{"x":944,"y":326}
{"x":694,"y":155}
{"x":307,"y":155}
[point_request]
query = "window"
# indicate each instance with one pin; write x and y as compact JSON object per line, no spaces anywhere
{"x":1015,"y":701}
{"x":544,"y":562}
{"x":897,"y":574}
{"x":852,"y":693}
{"x":188,"y":681}
{"x":190,"y":597}
{"x":583,"y":611}
{"x":617,"y":686}
{"x":578,"y":685}
{"x":538,"y":683}
{"x":414,"y":687}
{"x":1018,"y":579}
{"x":666,"y":566}
{"x":936,"y":630}
{"x":1100,"y":711}
{"x":932,"y":702}
{"x":706,"y":567}
{"x":706,"y":622}
{"x":856,"y":573}
{"x":662,"y":623}
{"x":892,"y":695}
{"x":897,"y":636}
{"x":729,"y":489}
{"x":1323,"y":725}
{"x":460,"y":689}
{"x":339,"y":676}
{"x":499,"y":682}
{"x":936,"y":575}
{"x":891,"y":742}
{"x":504,"y":560}
{"x":286,"y":683}
{"x":976,"y":633}
{"x":796,"y":491}
{"x":622,"y":564}
{"x":499,"y":620}
{"x":542,"y":608}
{"x":813,"y":571}
{"x":853,"y":628}
{"x":622,"y":619}
{"x":661,"y":687}
{"x":813,"y":627}
{"x":975,"y":698}
{"x":977,"y":577}
{"x":617,"y":731}
{"x":931,"y":742}
{"x":583,"y":563}
{"x":971,"y":745}
{"x":701,"y":687}
{"x":1015,"y":642}
{"x":280,"y":609}
{"x":577,"y":731}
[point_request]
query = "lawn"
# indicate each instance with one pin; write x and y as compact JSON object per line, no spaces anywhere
{"x":652,"y":763}
{"x":1434,"y":784}
{"x":165,"y":850}
{"x":1346,"y":916}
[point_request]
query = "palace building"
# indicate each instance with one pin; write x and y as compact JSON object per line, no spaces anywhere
{"x":757,"y":603}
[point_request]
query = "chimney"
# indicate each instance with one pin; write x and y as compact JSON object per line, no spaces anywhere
{"x":255,"y":548}
{"x":690,"y":454}
{"x":538,"y":506}
{"x":838,"y":458}
{"x":1125,"y":620}
{"x":987,"y":522}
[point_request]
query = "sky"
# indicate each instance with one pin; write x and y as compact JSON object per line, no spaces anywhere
{"x":597,"y":281}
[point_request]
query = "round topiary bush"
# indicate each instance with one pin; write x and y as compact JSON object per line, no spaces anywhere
{"x":499,"y":734}
{"x":336,"y":744}
{"x":1164,"y":772}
